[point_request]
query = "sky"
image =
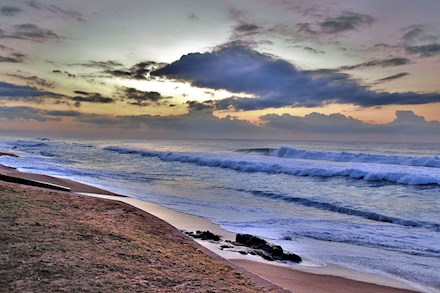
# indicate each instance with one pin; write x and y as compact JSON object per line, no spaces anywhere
{"x":257,"y":69}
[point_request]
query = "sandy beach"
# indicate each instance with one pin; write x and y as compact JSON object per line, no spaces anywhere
{"x":65,"y":241}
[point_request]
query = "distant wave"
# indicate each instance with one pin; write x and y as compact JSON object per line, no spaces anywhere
{"x":344,"y":210}
{"x":261,"y":151}
{"x":288,"y":152}
{"x":27,"y":143}
{"x":407,"y":176}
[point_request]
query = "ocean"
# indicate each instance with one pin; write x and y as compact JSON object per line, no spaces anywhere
{"x":368,"y":207}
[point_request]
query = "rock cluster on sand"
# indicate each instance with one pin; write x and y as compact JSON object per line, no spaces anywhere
{"x":265,"y":250}
{"x":256,"y":245}
{"x":203,"y":235}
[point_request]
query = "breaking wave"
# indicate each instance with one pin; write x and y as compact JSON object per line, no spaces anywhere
{"x":406,"y":175}
{"x":332,"y":207}
{"x":288,"y":152}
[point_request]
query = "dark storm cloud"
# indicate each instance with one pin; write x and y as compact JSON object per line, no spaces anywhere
{"x":9,"y":91}
{"x":91,"y":98}
{"x":73,"y":14}
{"x":345,"y":22}
{"x":30,"y":32}
{"x":9,"y":10}
{"x":138,"y":71}
{"x":141,"y":98}
{"x":428,"y":50}
{"x":393,"y":77}
{"x":398,"y":61}
{"x":275,"y":82}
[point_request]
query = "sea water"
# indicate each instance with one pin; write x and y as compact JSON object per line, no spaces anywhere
{"x":371,"y":207}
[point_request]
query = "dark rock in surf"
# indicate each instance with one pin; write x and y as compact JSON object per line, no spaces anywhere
{"x":204,"y":235}
{"x":265,"y":250}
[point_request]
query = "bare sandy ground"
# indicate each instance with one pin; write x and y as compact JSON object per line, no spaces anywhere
{"x":94,"y":211}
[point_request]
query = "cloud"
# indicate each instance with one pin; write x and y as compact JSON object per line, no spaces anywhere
{"x":91,"y":98}
{"x":33,"y":80}
{"x":393,"y":77}
{"x":23,"y":113}
{"x":309,"y":49}
{"x":9,"y":10}
{"x":314,"y":122}
{"x":272,"y":82}
{"x":397,"y":61}
{"x":345,"y":22}
{"x":105,"y":65}
{"x":9,"y":91}
{"x":246,"y":29}
{"x":60,"y":113}
{"x":428,"y":50}
{"x":407,"y":124}
{"x":73,"y":14}
{"x":30,"y":32}
{"x":413,"y":33}
{"x":406,"y":127}
{"x":138,"y":71}
{"x":57,"y":71}
{"x":200,"y":106}
{"x":141,"y":98}
{"x":14,"y":58}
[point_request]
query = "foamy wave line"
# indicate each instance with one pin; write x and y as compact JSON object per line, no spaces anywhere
{"x":288,"y":152}
{"x":404,"y":176}
{"x":345,"y":210}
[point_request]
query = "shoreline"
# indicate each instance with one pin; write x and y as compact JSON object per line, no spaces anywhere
{"x":291,"y":277}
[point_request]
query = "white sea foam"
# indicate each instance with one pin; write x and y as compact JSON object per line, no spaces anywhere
{"x":288,"y":152}
{"x":401,"y":174}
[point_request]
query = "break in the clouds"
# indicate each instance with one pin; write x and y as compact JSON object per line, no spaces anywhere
{"x":272,"y":82}
{"x":30,"y":32}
